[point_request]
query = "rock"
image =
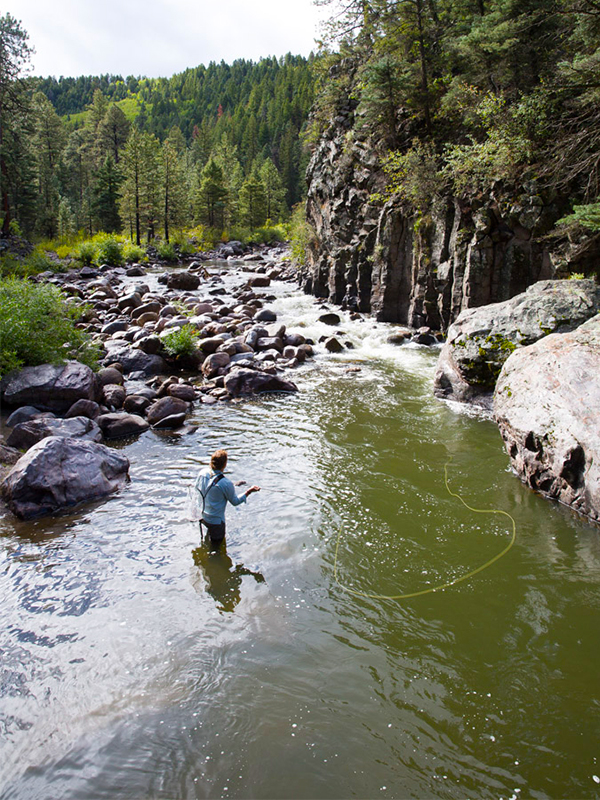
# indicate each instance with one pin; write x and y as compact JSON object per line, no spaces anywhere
{"x":424,"y":335}
{"x":132,"y":300}
{"x":57,"y":473}
{"x":183,"y":391}
{"x":135,"y":361}
{"x":270,"y":343}
{"x":330,"y":319}
{"x":26,"y":434}
{"x":248,"y":381}
{"x":109,"y":375}
{"x":23,"y":414}
{"x":211,"y":344}
{"x":114,"y":327}
{"x":119,"y":424}
{"x":214,"y":363}
{"x":165,"y":407}
{"x":49,"y":386}
{"x":546,"y":406}
{"x":183,"y":281}
{"x":113,"y":395}
{"x":400,"y":336}
{"x":259,"y":280}
{"x":150,"y":345}
{"x":9,"y":455}
{"x":136,"y":404}
{"x":482,"y":339}
{"x":170,"y":422}
{"x":333,"y":345}
{"x":265,"y":315}
{"x":147,"y":316}
{"x":83,"y":408}
{"x":153,"y":306}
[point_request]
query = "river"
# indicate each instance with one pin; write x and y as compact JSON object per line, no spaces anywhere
{"x":135,"y":664}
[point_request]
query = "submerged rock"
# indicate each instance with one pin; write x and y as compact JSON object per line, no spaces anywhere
{"x":546,"y":406}
{"x":57,"y":473}
{"x":482,"y":339}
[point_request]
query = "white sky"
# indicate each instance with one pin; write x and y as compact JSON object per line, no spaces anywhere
{"x":157,"y":38}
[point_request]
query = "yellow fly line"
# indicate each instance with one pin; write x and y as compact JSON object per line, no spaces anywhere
{"x":439,"y":587}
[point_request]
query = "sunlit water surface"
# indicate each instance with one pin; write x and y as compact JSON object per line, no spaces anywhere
{"x":136,"y":664}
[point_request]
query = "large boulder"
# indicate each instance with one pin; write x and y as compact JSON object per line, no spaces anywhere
{"x":183,"y":281}
{"x":49,"y":386}
{"x":58,"y":472}
{"x":135,"y":361}
{"x":482,"y":339}
{"x":249,"y":381}
{"x":546,"y":406}
{"x":26,"y":434}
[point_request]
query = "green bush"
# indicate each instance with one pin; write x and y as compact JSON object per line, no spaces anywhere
{"x":86,"y":253}
{"x":300,"y":234}
{"x":166,"y":252}
{"x":133,"y":253}
{"x":37,"y":327}
{"x":11,"y":266}
{"x":268,"y":234}
{"x":182,"y":342}
{"x":110,"y":251}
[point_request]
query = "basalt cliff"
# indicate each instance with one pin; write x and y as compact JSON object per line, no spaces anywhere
{"x":423,"y":269}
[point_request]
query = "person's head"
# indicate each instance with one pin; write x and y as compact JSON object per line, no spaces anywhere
{"x":218,"y":460}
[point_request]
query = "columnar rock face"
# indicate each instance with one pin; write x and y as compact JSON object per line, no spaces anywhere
{"x":418,"y":268}
{"x":546,"y":406}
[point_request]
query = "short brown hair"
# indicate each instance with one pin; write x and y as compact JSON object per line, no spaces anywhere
{"x":218,"y":460}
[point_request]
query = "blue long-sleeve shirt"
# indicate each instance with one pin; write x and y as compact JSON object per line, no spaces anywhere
{"x":217,"y":496}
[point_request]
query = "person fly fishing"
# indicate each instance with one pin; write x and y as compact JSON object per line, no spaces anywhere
{"x":216,"y":491}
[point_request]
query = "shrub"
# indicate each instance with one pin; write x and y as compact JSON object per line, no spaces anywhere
{"x":166,"y":252}
{"x":300,"y":234}
{"x":268,"y":234}
{"x":182,"y":342}
{"x":37,"y":327}
{"x":86,"y":253}
{"x":9,"y":265}
{"x":110,"y":251}
{"x":133,"y":252}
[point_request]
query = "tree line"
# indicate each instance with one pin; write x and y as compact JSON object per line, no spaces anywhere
{"x":218,"y":146}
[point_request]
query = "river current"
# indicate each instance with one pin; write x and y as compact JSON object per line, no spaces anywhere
{"x":136,"y":664}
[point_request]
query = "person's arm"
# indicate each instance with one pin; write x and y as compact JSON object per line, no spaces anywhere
{"x":236,"y":499}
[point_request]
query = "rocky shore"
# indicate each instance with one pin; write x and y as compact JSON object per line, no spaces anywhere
{"x":62,"y":414}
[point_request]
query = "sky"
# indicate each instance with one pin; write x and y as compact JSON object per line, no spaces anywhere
{"x":157,"y":38}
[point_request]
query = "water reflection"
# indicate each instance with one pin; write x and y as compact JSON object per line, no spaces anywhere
{"x":223,"y":580}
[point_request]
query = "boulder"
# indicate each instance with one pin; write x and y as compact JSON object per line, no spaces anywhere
{"x":165,"y":407}
{"x":546,"y":406}
{"x":482,"y":339}
{"x":83,"y":408}
{"x":135,"y":361}
{"x":26,"y":434}
{"x":333,"y":345}
{"x":249,"y":381}
{"x":113,"y":395}
{"x":170,"y":422}
{"x":118,"y":424}
{"x":183,"y":391}
{"x":9,"y":455}
{"x":136,"y":404}
{"x":57,"y":473}
{"x":183,"y":281}
{"x":24,"y":413}
{"x":259,"y":281}
{"x":330,"y":319}
{"x":49,"y":386}
{"x":109,"y":375}
{"x":265,"y":315}
{"x":214,"y":363}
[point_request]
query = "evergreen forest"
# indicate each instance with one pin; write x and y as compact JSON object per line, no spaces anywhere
{"x":217,"y":147}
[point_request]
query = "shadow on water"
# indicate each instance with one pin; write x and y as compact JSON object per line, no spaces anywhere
{"x":223,"y":579}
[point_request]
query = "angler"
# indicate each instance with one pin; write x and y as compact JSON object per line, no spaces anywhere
{"x":216,"y":491}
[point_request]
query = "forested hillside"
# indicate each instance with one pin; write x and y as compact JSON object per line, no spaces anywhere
{"x":216,"y":146}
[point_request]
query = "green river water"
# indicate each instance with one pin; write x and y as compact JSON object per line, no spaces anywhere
{"x":135,"y":664}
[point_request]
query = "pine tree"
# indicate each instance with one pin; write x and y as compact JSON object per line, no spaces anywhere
{"x":130,"y":190}
{"x":274,"y":191}
{"x":49,"y":140}
{"x":253,"y":201}
{"x":173,"y":186}
{"x":212,"y":196}
{"x":106,"y":196}
{"x":113,"y":131}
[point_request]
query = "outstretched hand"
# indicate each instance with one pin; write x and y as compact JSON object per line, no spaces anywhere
{"x":252,"y":489}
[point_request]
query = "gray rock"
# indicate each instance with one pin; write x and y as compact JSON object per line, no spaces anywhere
{"x":57,"y":473}
{"x":214,"y":363}
{"x":211,"y":344}
{"x":83,"y":408}
{"x":165,"y":407}
{"x":170,"y":422}
{"x":333,"y":345}
{"x":259,"y":281}
{"x":109,"y":375}
{"x":183,"y":281}
{"x":183,"y":391}
{"x":9,"y":455}
{"x":265,"y":315}
{"x":114,"y":327}
{"x":482,"y":339}
{"x":248,"y":381}
{"x":136,"y":404}
{"x":49,"y":386}
{"x":113,"y":395}
{"x":135,"y":361}
{"x":330,"y":319}
{"x":546,"y":406}
{"x":23,"y":414}
{"x":26,"y":434}
{"x":151,"y":306}
{"x":118,"y":424}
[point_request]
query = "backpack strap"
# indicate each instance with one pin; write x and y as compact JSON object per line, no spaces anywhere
{"x":205,"y":495}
